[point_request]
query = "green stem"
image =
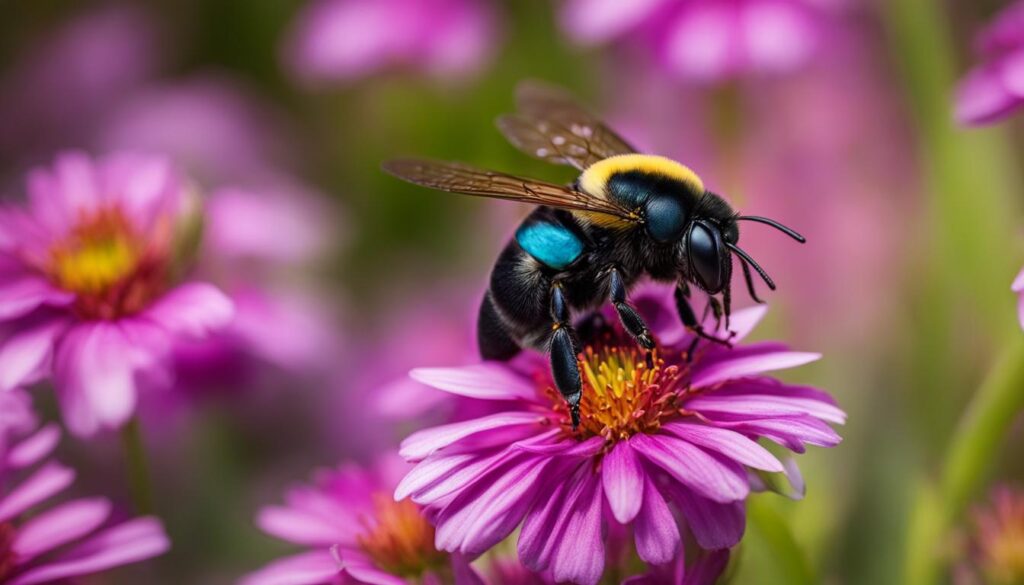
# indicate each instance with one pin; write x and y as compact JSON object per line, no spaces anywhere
{"x":772,"y":528}
{"x":137,"y":467}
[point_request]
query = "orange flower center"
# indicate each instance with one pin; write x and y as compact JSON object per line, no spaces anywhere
{"x":400,"y":540}
{"x":109,"y":266}
{"x":622,"y":396}
{"x":7,"y":558}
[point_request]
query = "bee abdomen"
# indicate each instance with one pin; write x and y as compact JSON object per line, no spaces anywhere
{"x":551,"y":244}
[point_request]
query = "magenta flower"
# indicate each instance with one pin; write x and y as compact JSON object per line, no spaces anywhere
{"x":994,"y":545}
{"x":995,"y":88}
{"x":68,"y":540}
{"x":91,"y":294}
{"x":682,"y":434}
{"x":1018,"y":287}
{"x":342,"y":40}
{"x":357,"y":533}
{"x":705,"y":40}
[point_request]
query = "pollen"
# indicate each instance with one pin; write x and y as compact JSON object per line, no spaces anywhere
{"x":399,"y":539}
{"x":622,"y":396}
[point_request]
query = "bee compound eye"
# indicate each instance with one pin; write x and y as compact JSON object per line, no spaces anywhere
{"x":704,"y":246}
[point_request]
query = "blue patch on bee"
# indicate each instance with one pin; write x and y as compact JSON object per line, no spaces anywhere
{"x":551,"y":244}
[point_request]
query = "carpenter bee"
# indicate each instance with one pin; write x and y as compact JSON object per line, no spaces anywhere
{"x":626,"y":216}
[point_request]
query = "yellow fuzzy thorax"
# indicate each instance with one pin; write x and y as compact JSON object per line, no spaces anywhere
{"x":594,"y":179}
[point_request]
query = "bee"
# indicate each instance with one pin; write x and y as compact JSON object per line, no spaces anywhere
{"x":626,"y":216}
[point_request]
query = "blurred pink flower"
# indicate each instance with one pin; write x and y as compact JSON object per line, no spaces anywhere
{"x":1018,"y":287}
{"x":342,"y":40}
{"x":356,"y":533}
{"x":54,"y":96}
{"x":210,"y":125}
{"x":706,"y":40}
{"x":68,"y":540}
{"x":994,"y":543}
{"x":995,"y":88}
{"x":681,"y":432}
{"x":91,"y":293}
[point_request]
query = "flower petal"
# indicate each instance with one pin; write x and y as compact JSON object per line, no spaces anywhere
{"x":195,"y":309}
{"x":720,"y":480}
{"x":596,"y":21}
{"x":623,"y":481}
{"x":308,"y":568}
{"x":421,"y":444}
{"x":748,"y":361}
{"x":714,"y":525}
{"x":792,"y":432}
{"x":25,"y":355}
{"x":655,"y":530}
{"x":766,"y":398}
{"x":59,"y":526}
{"x":96,"y":377}
{"x":580,"y":556}
{"x":41,"y":485}
{"x":133,"y":541}
{"x":299,"y":526}
{"x":33,"y":449}
{"x":487,"y":381}
{"x":22,"y":295}
{"x":729,"y":443}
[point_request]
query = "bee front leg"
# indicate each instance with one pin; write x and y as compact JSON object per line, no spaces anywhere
{"x":563,"y":351}
{"x":689,"y":318}
{"x":631,"y":320}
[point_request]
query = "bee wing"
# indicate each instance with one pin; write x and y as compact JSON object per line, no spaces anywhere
{"x":551,"y":126}
{"x":469,"y":180}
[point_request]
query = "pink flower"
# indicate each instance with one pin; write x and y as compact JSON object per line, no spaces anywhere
{"x":356,"y":533}
{"x":705,"y":40}
{"x":994,"y":545}
{"x":682,"y":434}
{"x":1018,"y":287}
{"x":67,"y":540}
{"x":91,"y":294}
{"x":995,"y":88}
{"x":342,"y":40}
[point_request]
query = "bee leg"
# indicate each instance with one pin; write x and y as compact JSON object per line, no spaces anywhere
{"x":631,"y":320}
{"x":492,"y":335}
{"x":563,"y":351}
{"x":689,"y":319}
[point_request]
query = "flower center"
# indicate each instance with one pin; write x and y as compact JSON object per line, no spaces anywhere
{"x":622,"y":396}
{"x":399,"y":539}
{"x":107,"y":265}
{"x":7,"y":558}
{"x":1006,"y":555}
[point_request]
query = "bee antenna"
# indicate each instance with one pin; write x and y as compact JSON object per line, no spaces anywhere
{"x":767,"y":221}
{"x":744,"y":257}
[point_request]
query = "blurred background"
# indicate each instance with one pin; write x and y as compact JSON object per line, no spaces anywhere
{"x":837,"y":117}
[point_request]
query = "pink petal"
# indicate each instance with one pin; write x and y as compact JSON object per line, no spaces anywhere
{"x":195,"y":309}
{"x":767,"y":399}
{"x":1012,"y":73}
{"x":596,"y":21}
{"x":623,"y":480}
{"x":544,"y":526}
{"x":778,"y":36}
{"x":729,"y":443}
{"x":748,"y":361}
{"x":146,"y":187}
{"x":299,"y":526}
{"x":487,"y":381}
{"x":1018,"y":283}
{"x":791,"y":432}
{"x":655,"y":530}
{"x":96,"y":377}
{"x":421,"y":444}
{"x":580,"y":556}
{"x":708,"y":568}
{"x":44,"y":483}
{"x":714,"y":525}
{"x":702,"y":42}
{"x":59,"y":526}
{"x":33,"y":449}
{"x":982,"y":98}
{"x":308,"y":568}
{"x":722,"y":481}
{"x":22,"y":295}
{"x":486,"y":511}
{"x":440,"y":475}
{"x":25,"y":355}
{"x":131,"y":542}
{"x":75,"y":183}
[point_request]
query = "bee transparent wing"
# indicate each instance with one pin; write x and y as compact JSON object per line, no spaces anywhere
{"x":461,"y":178}
{"x":551,"y":126}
